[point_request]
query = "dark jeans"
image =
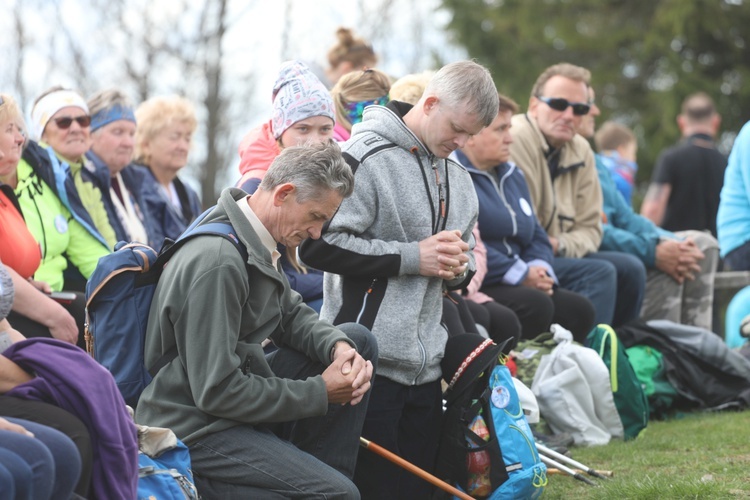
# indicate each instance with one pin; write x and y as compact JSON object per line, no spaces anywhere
{"x":738,"y":259}
{"x":613,"y":281}
{"x":61,"y":420}
{"x":50,"y":457}
{"x":310,"y":458}
{"x":537,"y":310}
{"x":631,"y":284}
{"x":405,"y":420}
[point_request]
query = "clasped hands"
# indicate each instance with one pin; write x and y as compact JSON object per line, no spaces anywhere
{"x":443,"y":255}
{"x":348,"y":377}
{"x":679,"y":259}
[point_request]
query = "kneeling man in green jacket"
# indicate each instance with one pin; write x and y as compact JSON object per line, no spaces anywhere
{"x":286,"y":424}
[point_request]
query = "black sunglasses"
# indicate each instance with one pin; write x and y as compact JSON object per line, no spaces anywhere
{"x":560,"y":104}
{"x":65,"y":122}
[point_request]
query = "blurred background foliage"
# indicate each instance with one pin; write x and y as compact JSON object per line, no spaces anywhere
{"x":645,"y":56}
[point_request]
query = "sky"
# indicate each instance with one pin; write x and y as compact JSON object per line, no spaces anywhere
{"x":407,"y":39}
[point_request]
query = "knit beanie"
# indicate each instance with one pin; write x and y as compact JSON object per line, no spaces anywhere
{"x":297,"y":95}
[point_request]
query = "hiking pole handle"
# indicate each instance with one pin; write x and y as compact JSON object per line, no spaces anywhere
{"x":562,"y":458}
{"x":557,"y":465}
{"x":379,"y":450}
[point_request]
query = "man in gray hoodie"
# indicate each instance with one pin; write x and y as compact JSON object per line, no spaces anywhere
{"x":391,"y":250}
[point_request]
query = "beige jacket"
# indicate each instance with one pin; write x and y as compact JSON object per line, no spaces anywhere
{"x":569,"y":208}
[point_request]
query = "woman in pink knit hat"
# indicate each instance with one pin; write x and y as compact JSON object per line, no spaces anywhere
{"x":303,"y":113}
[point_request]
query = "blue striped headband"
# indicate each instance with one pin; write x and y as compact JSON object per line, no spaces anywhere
{"x":112,"y":114}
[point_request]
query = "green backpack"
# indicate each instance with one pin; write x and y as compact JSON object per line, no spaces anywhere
{"x":630,"y":400}
{"x":649,"y":368}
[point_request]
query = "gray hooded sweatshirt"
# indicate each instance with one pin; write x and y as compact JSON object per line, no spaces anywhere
{"x":370,"y":248}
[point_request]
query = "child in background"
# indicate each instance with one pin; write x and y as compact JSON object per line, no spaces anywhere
{"x":617,"y":148}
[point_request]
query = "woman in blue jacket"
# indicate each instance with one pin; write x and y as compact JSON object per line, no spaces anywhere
{"x":519,"y":255}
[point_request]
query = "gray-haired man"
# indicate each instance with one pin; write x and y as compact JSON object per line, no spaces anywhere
{"x":278,"y":426}
{"x":391,"y":250}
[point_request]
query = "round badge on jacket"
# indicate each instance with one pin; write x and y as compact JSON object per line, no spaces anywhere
{"x":525,"y":206}
{"x":61,"y":224}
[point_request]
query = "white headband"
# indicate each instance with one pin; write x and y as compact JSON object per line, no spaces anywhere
{"x":51,"y":104}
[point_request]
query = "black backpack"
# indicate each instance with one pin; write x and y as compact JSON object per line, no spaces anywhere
{"x":515,"y":469}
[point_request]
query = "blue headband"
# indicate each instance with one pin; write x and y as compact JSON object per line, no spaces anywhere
{"x":111,"y":114}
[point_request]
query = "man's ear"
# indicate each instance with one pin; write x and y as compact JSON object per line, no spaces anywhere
{"x":533,"y":103}
{"x":283,"y":193}
{"x":716,"y":122}
{"x":430,"y":104}
{"x":681,"y":122}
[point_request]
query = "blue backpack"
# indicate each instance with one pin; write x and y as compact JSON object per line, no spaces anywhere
{"x":166,"y":477}
{"x":516,"y":471}
{"x":118,"y":300}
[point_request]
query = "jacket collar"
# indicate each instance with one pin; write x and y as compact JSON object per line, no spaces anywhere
{"x":257,"y":254}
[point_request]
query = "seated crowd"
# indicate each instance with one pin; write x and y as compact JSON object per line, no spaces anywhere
{"x":401,"y":212}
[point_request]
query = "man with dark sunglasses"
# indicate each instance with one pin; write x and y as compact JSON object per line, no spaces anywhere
{"x":561,"y":173}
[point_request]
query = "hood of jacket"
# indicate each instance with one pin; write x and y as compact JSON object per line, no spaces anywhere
{"x":388,"y":122}
{"x":257,"y":151}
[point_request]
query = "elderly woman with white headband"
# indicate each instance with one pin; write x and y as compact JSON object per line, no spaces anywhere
{"x":54,"y":214}
{"x":60,"y":119}
{"x":113,"y":129}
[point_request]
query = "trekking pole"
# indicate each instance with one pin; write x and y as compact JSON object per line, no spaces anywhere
{"x":552,"y":471}
{"x":557,"y":465}
{"x":379,"y":450}
{"x":562,"y":458}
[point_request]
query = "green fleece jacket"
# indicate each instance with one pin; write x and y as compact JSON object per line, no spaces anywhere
{"x":217,"y":310}
{"x":59,"y":235}
{"x":570,"y":207}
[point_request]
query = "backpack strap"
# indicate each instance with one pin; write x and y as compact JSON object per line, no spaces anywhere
{"x":217,"y":228}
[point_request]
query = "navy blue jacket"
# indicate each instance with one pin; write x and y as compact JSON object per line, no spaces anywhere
{"x":134,"y":179}
{"x":509,"y":228}
{"x":158,"y":209}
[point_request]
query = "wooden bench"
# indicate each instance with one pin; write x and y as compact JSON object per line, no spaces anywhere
{"x":731,"y":280}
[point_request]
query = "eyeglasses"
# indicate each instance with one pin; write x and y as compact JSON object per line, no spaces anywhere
{"x":65,"y":122}
{"x":560,"y":104}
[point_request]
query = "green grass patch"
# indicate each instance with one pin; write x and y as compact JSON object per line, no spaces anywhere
{"x":700,"y":455}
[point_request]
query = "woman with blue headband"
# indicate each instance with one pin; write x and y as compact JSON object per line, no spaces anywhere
{"x":113,"y":129}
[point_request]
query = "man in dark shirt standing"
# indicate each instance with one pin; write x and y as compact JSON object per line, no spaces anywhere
{"x":684,"y":191}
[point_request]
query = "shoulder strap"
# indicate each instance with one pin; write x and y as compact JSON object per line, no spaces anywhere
{"x":216,"y":228}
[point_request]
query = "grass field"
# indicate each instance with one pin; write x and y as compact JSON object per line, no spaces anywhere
{"x":700,"y":455}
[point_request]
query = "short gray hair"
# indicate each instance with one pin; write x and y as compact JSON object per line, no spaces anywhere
{"x":468,"y":84}
{"x":313,"y":169}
